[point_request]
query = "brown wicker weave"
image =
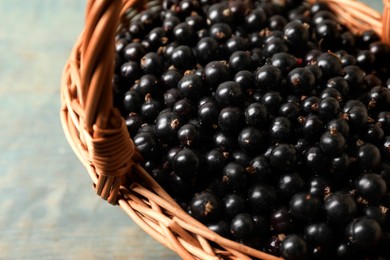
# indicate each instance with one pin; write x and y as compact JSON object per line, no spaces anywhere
{"x":98,"y":135}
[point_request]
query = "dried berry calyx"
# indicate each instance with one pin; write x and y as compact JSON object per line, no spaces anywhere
{"x":268,"y":122}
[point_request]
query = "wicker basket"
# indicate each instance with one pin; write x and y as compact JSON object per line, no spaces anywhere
{"x":98,"y":135}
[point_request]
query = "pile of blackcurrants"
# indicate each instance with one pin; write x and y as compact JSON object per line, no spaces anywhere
{"x":267,"y":122}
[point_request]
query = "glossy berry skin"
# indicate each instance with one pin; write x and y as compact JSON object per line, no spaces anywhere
{"x":182,"y":57}
{"x":255,"y":20}
{"x":197,"y":22}
{"x":296,"y":34}
{"x":148,"y":84}
{"x":244,"y":78}
{"x":206,"y":207}
{"x":314,"y":159}
{"x":231,"y":119}
{"x":146,"y":144}
{"x":289,"y":184}
{"x":191,"y":87}
{"x":242,"y":226}
{"x":169,"y":23}
{"x":171,"y":153}
{"x":208,"y":114}
{"x":332,"y":142}
{"x":346,"y":250}
{"x":259,"y":168}
{"x":136,"y":28}
{"x":251,"y":140}
{"x":233,"y":204}
{"x":184,"y":108}
{"x":384,"y":120}
{"x":369,"y":157}
{"x":221,"y":227}
{"x":206,"y":50}
{"x":151,"y":63}
{"x":167,"y":125}
{"x":365,"y":59}
{"x":240,"y":157}
{"x":272,"y":100}
{"x":318,"y":186}
{"x":169,"y":49}
{"x":331,"y":93}
{"x":229,"y":93}
{"x":236,"y":43}
{"x":340,"y":207}
{"x":183,"y":34}
{"x":133,"y":123}
{"x":215,"y":161}
{"x":150,"y":109}
{"x":130,"y":71}
{"x":280,"y":130}
{"x":284,"y":61}
{"x":281,"y":221}
{"x":371,"y":186}
{"x":379,"y":98}
{"x":377,"y":213}
{"x":227,"y":142}
{"x":293,"y":247}
{"x":261,"y":198}
{"x":234,"y":177}
{"x":329,"y":107}
{"x":171,"y":96}
{"x":220,"y":32}
{"x":170,"y":78}
{"x":363,"y":232}
{"x":219,"y":13}
{"x":290,"y":110}
{"x":283,"y":157}
{"x":277,"y":22}
{"x":310,"y":104}
{"x":328,"y":33}
{"x":330,"y":65}
{"x":305,"y":207}
{"x":339,"y":83}
{"x":386,"y":148}
{"x":134,"y":51}
{"x":186,"y":163}
{"x":178,"y":186}
{"x":301,"y":81}
{"x":215,"y":73}
{"x":356,"y":116}
{"x":274,"y":46}
{"x":189,"y":135}
{"x":319,"y":234}
{"x":354,"y":76}
{"x":131,"y":101}
{"x":340,"y":125}
{"x":256,"y":115}
{"x":240,"y":60}
{"x":156,"y":38}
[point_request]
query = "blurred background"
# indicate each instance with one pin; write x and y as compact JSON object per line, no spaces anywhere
{"x":48,"y":209}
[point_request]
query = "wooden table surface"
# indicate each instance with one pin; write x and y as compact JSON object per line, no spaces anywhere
{"x":48,"y":209}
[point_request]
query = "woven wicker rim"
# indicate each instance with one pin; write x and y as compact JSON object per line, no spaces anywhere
{"x":98,"y":135}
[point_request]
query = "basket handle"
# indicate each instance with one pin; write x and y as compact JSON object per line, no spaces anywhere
{"x":102,"y":129}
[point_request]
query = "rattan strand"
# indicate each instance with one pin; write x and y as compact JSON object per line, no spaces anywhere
{"x":98,"y":135}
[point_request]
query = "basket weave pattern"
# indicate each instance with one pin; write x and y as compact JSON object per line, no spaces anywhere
{"x":99,"y":137}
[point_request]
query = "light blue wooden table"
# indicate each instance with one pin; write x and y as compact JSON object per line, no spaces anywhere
{"x":47,"y":207}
